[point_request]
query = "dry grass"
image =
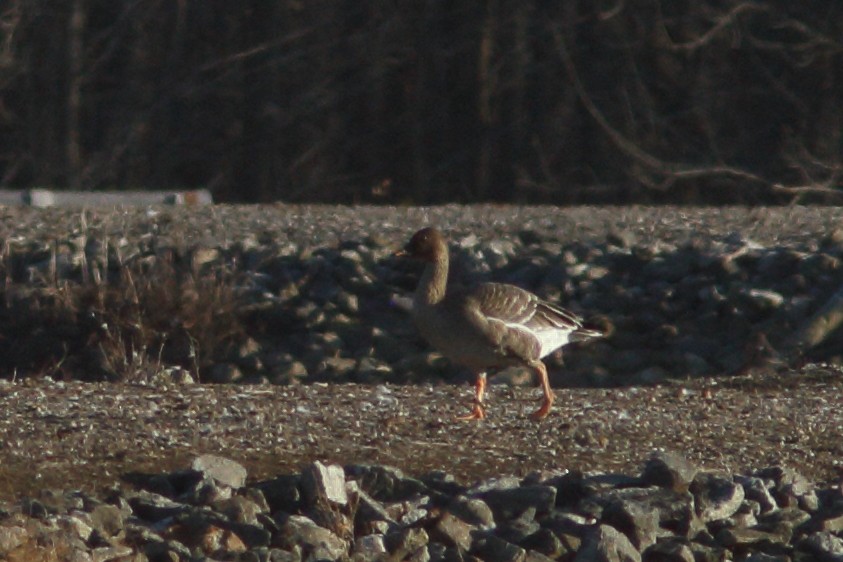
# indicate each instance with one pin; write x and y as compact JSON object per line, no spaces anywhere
{"x":120,"y":322}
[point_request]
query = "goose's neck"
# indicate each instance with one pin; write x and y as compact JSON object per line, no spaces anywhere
{"x":434,"y":280}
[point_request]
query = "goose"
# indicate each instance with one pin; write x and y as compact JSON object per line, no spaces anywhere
{"x":487,"y":326}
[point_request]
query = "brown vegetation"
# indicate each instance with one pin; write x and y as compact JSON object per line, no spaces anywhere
{"x":523,"y":101}
{"x":125,"y":325}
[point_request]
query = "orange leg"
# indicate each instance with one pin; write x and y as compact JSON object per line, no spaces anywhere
{"x":479,"y":410}
{"x":547,"y":399}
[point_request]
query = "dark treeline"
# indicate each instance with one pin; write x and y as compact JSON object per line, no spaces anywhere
{"x":529,"y":100}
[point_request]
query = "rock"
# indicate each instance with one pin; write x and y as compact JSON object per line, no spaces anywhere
{"x":744,"y":538}
{"x":473,"y":511}
{"x":638,"y":522}
{"x":756,"y":490}
{"x":830,"y":523}
{"x":762,"y":557}
{"x":453,"y":531}
{"x":240,"y":509}
{"x":668,"y":470}
{"x":509,"y":503}
{"x":11,"y":537}
{"x":401,"y":544}
{"x":282,"y":493}
{"x":764,"y":300}
{"x":675,"y":510}
{"x":224,"y":373}
{"x":605,"y":544}
{"x":517,"y":530}
{"x":621,"y":238}
{"x":215,"y":540}
{"x":372,"y":370}
{"x":824,"y":545}
{"x":222,"y":470}
{"x":789,"y":518}
{"x":287,"y":372}
{"x":154,"y":507}
{"x":335,"y":369}
{"x":716,"y":497}
{"x":669,"y":550}
{"x":791,"y":488}
{"x":316,"y":543}
{"x":490,"y":548}
{"x":321,"y":483}
{"x":547,"y":543}
{"x":368,"y":547}
{"x":386,"y":483}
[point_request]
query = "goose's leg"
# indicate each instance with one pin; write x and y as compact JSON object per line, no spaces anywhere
{"x":547,"y":399}
{"x":479,"y":410}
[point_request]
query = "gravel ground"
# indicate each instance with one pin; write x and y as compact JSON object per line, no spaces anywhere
{"x":86,"y":435}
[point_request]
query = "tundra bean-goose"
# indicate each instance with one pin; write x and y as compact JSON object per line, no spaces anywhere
{"x":488,"y":326}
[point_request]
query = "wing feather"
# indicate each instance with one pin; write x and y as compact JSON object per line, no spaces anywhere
{"x":513,"y":305}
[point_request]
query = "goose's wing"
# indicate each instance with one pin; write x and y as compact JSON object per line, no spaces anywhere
{"x":517,"y":307}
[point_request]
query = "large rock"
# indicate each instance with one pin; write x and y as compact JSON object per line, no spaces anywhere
{"x":606,"y":544}
{"x":222,"y":470}
{"x":668,"y":470}
{"x":716,"y":497}
{"x":316,"y":542}
{"x":324,"y":483}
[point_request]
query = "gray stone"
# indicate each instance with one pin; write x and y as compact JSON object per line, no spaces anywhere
{"x":517,"y":530}
{"x":743,"y":538}
{"x":154,"y":507}
{"x":606,"y":544}
{"x":755,"y":489}
{"x":533,"y":556}
{"x":282,"y":493}
{"x":546,"y":542}
{"x":490,"y":548}
{"x":11,"y":537}
{"x":224,"y":373}
{"x":369,"y":510}
{"x":386,"y":483}
{"x":324,"y":483}
{"x":826,"y":546}
{"x":791,"y":488}
{"x":764,"y":299}
{"x":222,"y":470}
{"x":509,"y":503}
{"x":831,"y":523}
{"x":288,"y":372}
{"x":716,"y":497}
{"x":368,"y":547}
{"x":401,"y":544}
{"x":763,"y":557}
{"x":473,"y":511}
{"x":621,"y":238}
{"x":453,"y":531}
{"x":668,"y":470}
{"x":239,"y":509}
{"x":316,"y":543}
{"x":107,"y":519}
{"x":676,"y":510}
{"x":669,"y":550}
{"x":789,"y":517}
{"x":639,"y":522}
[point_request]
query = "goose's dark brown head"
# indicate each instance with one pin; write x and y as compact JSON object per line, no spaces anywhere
{"x":427,"y":244}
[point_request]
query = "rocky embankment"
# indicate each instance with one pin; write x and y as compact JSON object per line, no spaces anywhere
{"x":281,"y":294}
{"x":670,"y":512}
